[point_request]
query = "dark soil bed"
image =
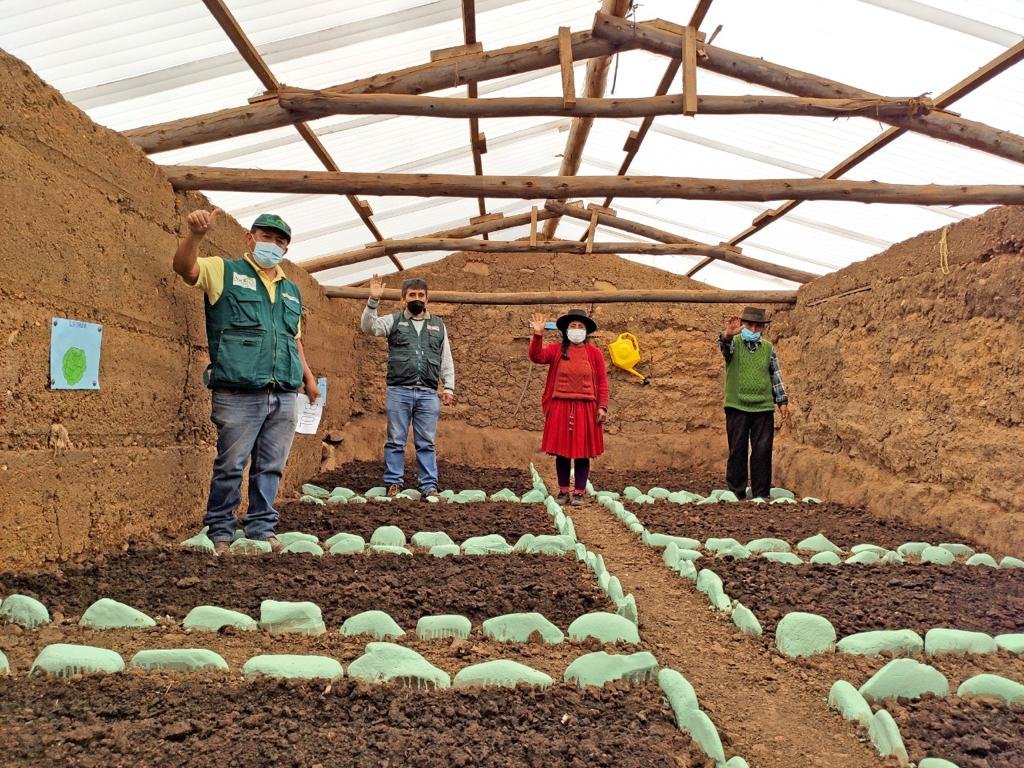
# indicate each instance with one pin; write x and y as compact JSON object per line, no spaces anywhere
{"x":972,"y":733}
{"x":844,"y":526}
{"x":360,"y":476}
{"x":675,"y":479}
{"x":460,"y":521}
{"x":163,"y":582}
{"x":128,"y":720}
{"x":859,"y":598}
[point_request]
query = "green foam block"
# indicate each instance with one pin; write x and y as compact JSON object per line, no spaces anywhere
{"x":684,"y":497}
{"x":937,"y":556}
{"x":659,"y":493}
{"x":375,"y":492}
{"x":280,"y":617}
{"x":659,"y":540}
{"x":885,"y":735}
{"x":599,"y":668}
{"x":746,"y":621}
{"x":315,"y":490}
{"x":903,"y":642}
{"x":24,"y":611}
{"x":718,"y":544}
{"x":388,"y":549}
{"x":65,"y":660}
{"x":445,"y":550}
{"x":904,"y":678}
{"x":739,"y":552}
{"x":1012,"y":642}
{"x":700,"y":728}
{"x":376,"y":623}
{"x":627,"y":608}
{"x":316,"y":500}
{"x":110,"y":614}
{"x":345,"y":544}
{"x":826,"y":558}
{"x":677,"y":690}
{"x":303,"y":548}
{"x":501,"y":673}
{"x":993,"y":686}
{"x":293,"y":666}
{"x":428,"y":539}
{"x":534,"y":496}
{"x":177,"y":660}
{"x":804,"y":634}
{"x":290,"y":537}
{"x":913,"y":548}
{"x":472,"y":496}
{"x":505,"y":494}
{"x":856,"y":549}
{"x":848,"y":702}
{"x":818,"y":543}
{"x":343,"y":492}
{"x":492,"y":544}
{"x":518,"y":627}
{"x":549,"y":544}
{"x":781,"y":493}
{"x":606,"y":627}
{"x":210,"y":618}
{"x":957,"y":641}
{"x":199,"y":543}
{"x":443,"y":627}
{"x":866,"y":557}
{"x":5,"y":666}
{"x":958,"y":550}
{"x":760,"y":546}
{"x":710,"y":583}
{"x":388,"y":535}
{"x":384,"y":662}
{"x":785,"y":558}
{"x":982,"y":558}
{"x":1011,"y":562}
{"x":246,"y":546}
{"x":936,"y":762}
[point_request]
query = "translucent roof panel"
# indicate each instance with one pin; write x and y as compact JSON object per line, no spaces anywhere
{"x":172,"y":60}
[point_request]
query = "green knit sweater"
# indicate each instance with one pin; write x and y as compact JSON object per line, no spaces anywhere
{"x":748,"y":384}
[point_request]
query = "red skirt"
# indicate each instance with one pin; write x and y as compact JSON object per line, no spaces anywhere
{"x":571,"y":429}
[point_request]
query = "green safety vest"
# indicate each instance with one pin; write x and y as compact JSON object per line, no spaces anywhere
{"x":414,"y":359}
{"x":748,"y":383}
{"x":251,"y":339}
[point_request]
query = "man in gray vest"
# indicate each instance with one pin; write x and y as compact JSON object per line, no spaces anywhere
{"x":419,"y":361}
{"x":253,"y":325}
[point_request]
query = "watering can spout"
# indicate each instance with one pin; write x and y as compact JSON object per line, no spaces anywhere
{"x":625,"y":354}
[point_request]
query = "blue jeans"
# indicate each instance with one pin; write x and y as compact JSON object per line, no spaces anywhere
{"x":421,"y":408}
{"x":257,"y":425}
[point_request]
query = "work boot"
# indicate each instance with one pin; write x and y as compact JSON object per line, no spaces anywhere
{"x":562,"y":497}
{"x":393,"y":490}
{"x":577,"y":500}
{"x":430,"y":495}
{"x":276,"y":545}
{"x":221,"y":547}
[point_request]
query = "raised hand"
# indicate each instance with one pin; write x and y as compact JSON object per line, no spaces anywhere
{"x":199,"y":222}
{"x":537,"y":323}
{"x":376,"y":287}
{"x":732,"y":327}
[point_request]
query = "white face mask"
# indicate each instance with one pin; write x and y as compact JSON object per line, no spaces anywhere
{"x":577,"y":335}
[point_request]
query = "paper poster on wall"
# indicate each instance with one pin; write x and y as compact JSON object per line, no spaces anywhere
{"x":75,"y":354}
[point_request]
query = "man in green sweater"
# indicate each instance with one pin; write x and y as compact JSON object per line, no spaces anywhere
{"x":753,"y":388}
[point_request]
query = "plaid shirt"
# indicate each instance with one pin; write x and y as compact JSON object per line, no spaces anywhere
{"x":778,"y":388}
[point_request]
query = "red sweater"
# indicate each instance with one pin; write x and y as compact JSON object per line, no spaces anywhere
{"x":551,"y":354}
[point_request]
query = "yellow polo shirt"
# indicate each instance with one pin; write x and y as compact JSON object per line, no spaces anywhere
{"x":211,"y":279}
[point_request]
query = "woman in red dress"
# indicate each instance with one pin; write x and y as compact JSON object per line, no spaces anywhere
{"x":575,"y":398}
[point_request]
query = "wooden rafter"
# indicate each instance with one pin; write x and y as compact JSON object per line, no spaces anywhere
{"x":494,"y":222}
{"x":729,"y":254}
{"x":469,"y":34}
{"x":316,"y":104}
{"x":699,"y":12}
{"x":259,"y":67}
{"x":975,"y":80}
{"x":265,"y":113}
{"x":472,"y":245}
{"x":184,"y":177}
{"x":581,"y":297}
{"x":593,"y":87}
{"x":937,"y":124}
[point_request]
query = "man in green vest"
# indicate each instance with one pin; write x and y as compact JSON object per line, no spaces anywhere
{"x":419,"y":363}
{"x":753,"y":388}
{"x":253,"y":329}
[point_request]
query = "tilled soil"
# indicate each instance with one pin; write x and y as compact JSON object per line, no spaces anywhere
{"x":844,"y":526}
{"x":168,"y":582}
{"x":360,"y":476}
{"x":133,"y":720}
{"x":460,"y":521}
{"x":972,"y":733}
{"x":859,"y":598}
{"x":678,"y":479}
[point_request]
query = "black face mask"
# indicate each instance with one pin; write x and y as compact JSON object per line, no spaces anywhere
{"x":416,"y":307}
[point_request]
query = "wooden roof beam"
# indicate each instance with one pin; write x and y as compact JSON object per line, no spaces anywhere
{"x":580,"y":298}
{"x":264,"y":114}
{"x":593,"y":87}
{"x":472,"y":245}
{"x":252,"y":57}
{"x":472,"y":91}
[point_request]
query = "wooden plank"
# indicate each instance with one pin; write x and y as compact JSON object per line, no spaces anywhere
{"x":533,"y":225}
{"x":599,"y":209}
{"x":455,"y":52}
{"x":590,"y":232}
{"x":581,"y":297}
{"x":480,"y":143}
{"x":486,"y":217}
{"x":183,"y":177}
{"x":699,"y":13}
{"x":690,"y":72}
{"x":632,"y":142}
{"x":566,"y":62}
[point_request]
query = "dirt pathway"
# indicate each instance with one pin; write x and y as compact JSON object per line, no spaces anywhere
{"x":769,"y":710}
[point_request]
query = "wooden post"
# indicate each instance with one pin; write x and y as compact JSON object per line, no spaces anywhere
{"x":533,"y":225}
{"x":590,"y":231}
{"x":690,"y":71}
{"x":565,"y":59}
{"x":581,"y":297}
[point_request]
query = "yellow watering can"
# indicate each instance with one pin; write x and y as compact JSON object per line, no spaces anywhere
{"x":625,"y":354}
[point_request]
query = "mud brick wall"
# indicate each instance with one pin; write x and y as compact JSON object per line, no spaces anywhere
{"x":908,"y":395}
{"x":89,"y":229}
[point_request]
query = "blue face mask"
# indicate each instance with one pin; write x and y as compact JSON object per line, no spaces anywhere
{"x":267,"y":255}
{"x":748,"y":335}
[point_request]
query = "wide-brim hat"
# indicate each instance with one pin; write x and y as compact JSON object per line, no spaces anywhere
{"x":578,"y":315}
{"x":754,"y":315}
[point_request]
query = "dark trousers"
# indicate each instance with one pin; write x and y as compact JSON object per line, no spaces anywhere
{"x":753,"y":432}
